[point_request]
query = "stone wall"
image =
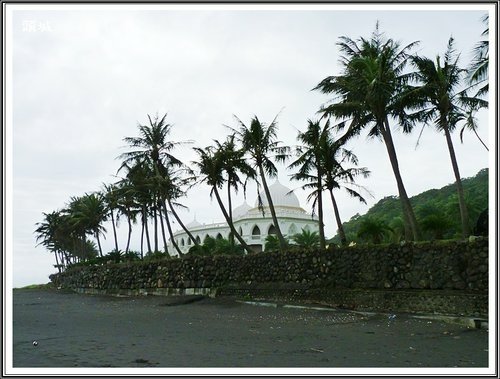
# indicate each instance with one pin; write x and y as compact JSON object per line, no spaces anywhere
{"x":450,"y":269}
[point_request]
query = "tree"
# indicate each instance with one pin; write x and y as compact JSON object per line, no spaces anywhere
{"x":478,"y":69}
{"x":437,"y":100}
{"x":210,"y":167}
{"x":338,"y":176}
{"x":307,"y":239}
{"x":88,"y":213}
{"x":233,"y":164}
{"x":259,"y":142}
{"x":367,"y":95}
{"x":46,"y":235}
{"x":111,"y":198}
{"x":373,"y":230}
{"x":153,"y":149}
{"x":310,"y":164}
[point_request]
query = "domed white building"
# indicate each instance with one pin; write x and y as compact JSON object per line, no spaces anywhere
{"x":252,"y":224}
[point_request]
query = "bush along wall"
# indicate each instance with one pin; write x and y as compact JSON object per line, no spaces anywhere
{"x":458,"y":267}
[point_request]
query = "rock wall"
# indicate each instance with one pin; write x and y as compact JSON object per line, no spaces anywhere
{"x":453,"y":267}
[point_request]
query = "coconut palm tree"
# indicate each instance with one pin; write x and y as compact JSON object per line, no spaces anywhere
{"x":478,"y":69}
{"x":259,"y":142}
{"x":211,"y":171}
{"x":367,"y":93}
{"x":233,"y":165}
{"x":88,"y":213}
{"x":373,"y":230}
{"x":311,"y":166}
{"x":437,"y":100}
{"x":111,"y":198}
{"x":46,"y":235}
{"x":338,"y":176}
{"x":152,"y":146}
{"x":307,"y":239}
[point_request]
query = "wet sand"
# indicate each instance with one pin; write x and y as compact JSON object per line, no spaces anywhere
{"x":74,"y":330}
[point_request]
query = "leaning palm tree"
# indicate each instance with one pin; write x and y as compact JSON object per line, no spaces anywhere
{"x":366,"y":95}
{"x":259,"y":142}
{"x":46,"y":235}
{"x":438,"y":101}
{"x":210,"y":166}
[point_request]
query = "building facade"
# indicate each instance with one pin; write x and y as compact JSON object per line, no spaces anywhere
{"x":254,"y":224}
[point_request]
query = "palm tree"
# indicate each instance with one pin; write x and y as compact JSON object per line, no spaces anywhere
{"x":373,"y":230}
{"x":367,"y":95}
{"x":338,"y":176}
{"x":210,"y":166}
{"x":46,"y":233}
{"x":111,"y":198}
{"x":478,"y":69}
{"x":307,"y":239}
{"x":152,"y":146}
{"x":477,"y":74}
{"x":88,"y":213}
{"x":437,"y":101}
{"x":127,"y":206}
{"x":259,"y":142}
{"x":311,"y":166}
{"x":233,"y":164}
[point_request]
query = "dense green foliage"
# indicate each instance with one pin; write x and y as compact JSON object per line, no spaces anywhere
{"x":437,"y":211}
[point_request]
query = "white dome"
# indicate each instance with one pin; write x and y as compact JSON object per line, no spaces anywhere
{"x":241,"y":210}
{"x":281,"y":197}
{"x":193,"y":224}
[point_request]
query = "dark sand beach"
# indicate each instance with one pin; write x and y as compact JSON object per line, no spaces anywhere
{"x":74,"y":330}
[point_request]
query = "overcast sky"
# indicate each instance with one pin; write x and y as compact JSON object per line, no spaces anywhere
{"x":83,"y":78}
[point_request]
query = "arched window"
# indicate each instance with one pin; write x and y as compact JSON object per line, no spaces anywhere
{"x":182,"y":242}
{"x":240,"y":231}
{"x":272,"y":230}
{"x":188,"y":241}
{"x":307,"y":228}
{"x":292,"y":230}
{"x":219,"y":236}
{"x":198,"y":240}
{"x":206,"y":238}
{"x":256,"y":232}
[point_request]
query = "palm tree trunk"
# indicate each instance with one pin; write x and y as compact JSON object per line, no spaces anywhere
{"x":155,"y":218}
{"x":142,"y":239}
{"x":96,"y":233}
{"x":411,"y":226}
{"x":322,"y":242}
{"x":162,"y":224}
{"x":170,"y":205}
{"x":458,"y":181}
{"x":343,"y":238}
{"x":146,"y":229}
{"x":480,"y":140}
{"x":230,"y":211}
{"x":271,"y":208}
{"x":114,"y":230}
{"x":129,"y":233}
{"x":231,"y":226}
{"x":57,"y":261}
{"x":170,"y":232}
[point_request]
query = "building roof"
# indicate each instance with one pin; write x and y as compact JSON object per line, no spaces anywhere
{"x":281,"y":196}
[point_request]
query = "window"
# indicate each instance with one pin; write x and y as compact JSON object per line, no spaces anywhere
{"x":255,"y":232}
{"x":272,"y":230}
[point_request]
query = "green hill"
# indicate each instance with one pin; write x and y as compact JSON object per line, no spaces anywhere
{"x":436,"y":210}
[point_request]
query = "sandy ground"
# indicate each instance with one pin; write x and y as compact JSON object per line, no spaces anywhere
{"x":75,"y":330}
